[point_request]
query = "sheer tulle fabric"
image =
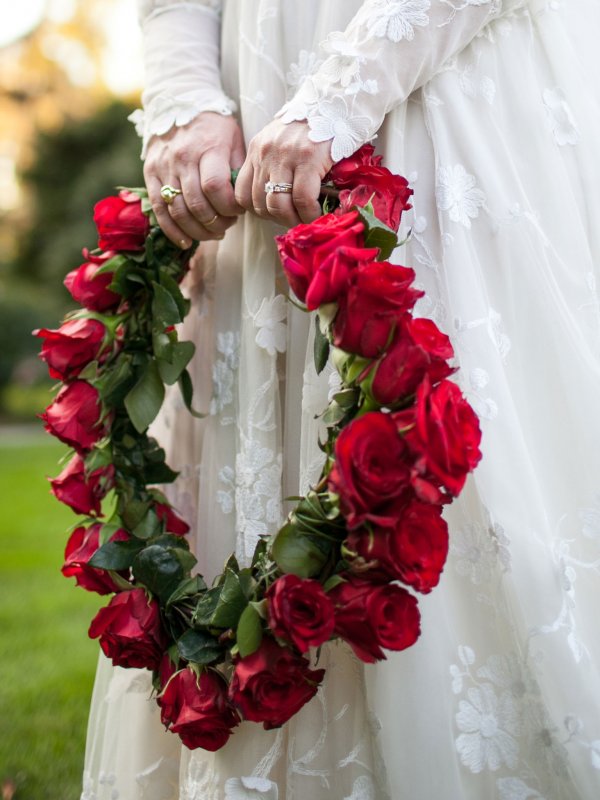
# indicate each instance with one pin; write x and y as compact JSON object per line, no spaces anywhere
{"x":499,"y":698}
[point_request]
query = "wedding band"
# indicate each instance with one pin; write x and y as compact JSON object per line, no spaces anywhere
{"x":169,"y":193}
{"x":211,"y":221}
{"x":278,"y":188}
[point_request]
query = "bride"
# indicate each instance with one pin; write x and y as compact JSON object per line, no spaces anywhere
{"x":492,"y":112}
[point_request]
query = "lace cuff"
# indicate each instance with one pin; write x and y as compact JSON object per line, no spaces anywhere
{"x":182,"y":64}
{"x":389,"y":49}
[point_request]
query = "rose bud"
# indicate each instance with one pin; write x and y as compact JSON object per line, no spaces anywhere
{"x":418,"y":348}
{"x":304,"y":248}
{"x":371,"y":473}
{"x":73,"y":346}
{"x":80,"y":491}
{"x":82,"y":545}
{"x":371,"y":617}
{"x":300,"y":612}
{"x":172,"y":521}
{"x":196,"y":708}
{"x":443,"y":433}
{"x":74,"y":416}
{"x":414,"y":550}
{"x":387,"y":193}
{"x":377,"y":297}
{"x":330,"y":278}
{"x":120,"y":222}
{"x":90,"y":289}
{"x":130,"y":630}
{"x":343,"y":173}
{"x":272,"y":684}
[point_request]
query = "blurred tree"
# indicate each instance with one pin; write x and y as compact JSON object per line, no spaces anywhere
{"x":73,"y":167}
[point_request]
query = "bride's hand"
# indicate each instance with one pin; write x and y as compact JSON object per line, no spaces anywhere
{"x":284,"y":154}
{"x":196,"y":158}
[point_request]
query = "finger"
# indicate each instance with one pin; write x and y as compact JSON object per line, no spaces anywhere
{"x":215,"y":181}
{"x":279,"y":204}
{"x":206,"y":222}
{"x":259,"y":195}
{"x":305,"y":194}
{"x":169,"y":227}
{"x":243,"y":186}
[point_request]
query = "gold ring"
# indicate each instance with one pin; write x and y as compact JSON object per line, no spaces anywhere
{"x":211,"y":221}
{"x":278,"y":188}
{"x":169,"y":193}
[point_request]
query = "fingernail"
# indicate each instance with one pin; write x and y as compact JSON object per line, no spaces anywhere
{"x":184,"y":244}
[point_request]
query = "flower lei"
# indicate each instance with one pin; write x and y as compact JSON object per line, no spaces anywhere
{"x":400,"y":442}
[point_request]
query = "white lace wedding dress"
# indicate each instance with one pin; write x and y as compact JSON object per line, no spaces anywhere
{"x":492,"y":110}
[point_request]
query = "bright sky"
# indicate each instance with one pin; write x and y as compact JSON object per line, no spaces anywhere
{"x":122,"y":70}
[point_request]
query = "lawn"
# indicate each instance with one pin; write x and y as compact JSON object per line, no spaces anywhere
{"x":47,"y":662}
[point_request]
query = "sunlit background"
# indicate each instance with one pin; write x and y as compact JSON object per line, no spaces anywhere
{"x":70,"y":73}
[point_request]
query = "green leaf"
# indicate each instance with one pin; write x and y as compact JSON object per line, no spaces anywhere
{"x":321,"y":347}
{"x":377,"y":234}
{"x":297,"y":553}
{"x":189,"y":588}
{"x":180,"y":356}
{"x":187,"y":392}
{"x":164,"y":308}
{"x":199,"y":647}
{"x":148,"y":526}
{"x":334,"y":581}
{"x":249,"y":631}
{"x":117,"y":380}
{"x":259,"y":551}
{"x":112,"y":265}
{"x":133,"y":513}
{"x":171,"y":285}
{"x":232,"y":602}
{"x":206,"y":606}
{"x":333,"y":414}
{"x":143,"y":402}
{"x":116,"y":555}
{"x":161,"y":569}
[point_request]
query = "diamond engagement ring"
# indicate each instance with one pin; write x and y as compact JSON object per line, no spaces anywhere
{"x":169,"y":193}
{"x":278,"y":188}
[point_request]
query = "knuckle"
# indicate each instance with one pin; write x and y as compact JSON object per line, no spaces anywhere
{"x":177,"y":212}
{"x":303,"y":202}
{"x":213,"y":184}
{"x":196,"y":207}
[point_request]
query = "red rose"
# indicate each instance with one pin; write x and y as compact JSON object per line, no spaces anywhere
{"x":273,"y":684}
{"x":372,"y":617}
{"x":342,"y":173}
{"x":419,"y":348}
{"x":80,"y":491}
{"x":378,"y":296}
{"x":300,"y":612}
{"x":74,"y":416}
{"x":72,"y":347}
{"x":387,"y":193}
{"x":330,"y":278}
{"x":196,"y":708}
{"x":444,"y":436}
{"x":90,"y":289}
{"x":173,"y":522}
{"x":130,"y":630}
{"x":371,"y":473}
{"x":304,"y":248}
{"x":413,"y":551}
{"x":81,"y":546}
{"x":120,"y":222}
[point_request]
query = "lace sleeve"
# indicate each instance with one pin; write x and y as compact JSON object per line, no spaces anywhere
{"x":182,"y":65}
{"x":390,"y":48}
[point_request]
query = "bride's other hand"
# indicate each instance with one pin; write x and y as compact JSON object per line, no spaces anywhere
{"x":197,"y":159}
{"x":283,"y":153}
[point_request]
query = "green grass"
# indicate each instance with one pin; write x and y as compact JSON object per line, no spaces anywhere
{"x":47,"y":662}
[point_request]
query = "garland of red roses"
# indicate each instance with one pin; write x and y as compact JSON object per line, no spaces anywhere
{"x":401,"y":440}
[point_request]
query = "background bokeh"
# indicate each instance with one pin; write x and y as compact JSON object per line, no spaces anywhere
{"x":70,"y":73}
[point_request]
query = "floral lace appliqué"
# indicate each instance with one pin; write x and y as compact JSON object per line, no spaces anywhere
{"x":396,"y":19}
{"x":457,"y":194}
